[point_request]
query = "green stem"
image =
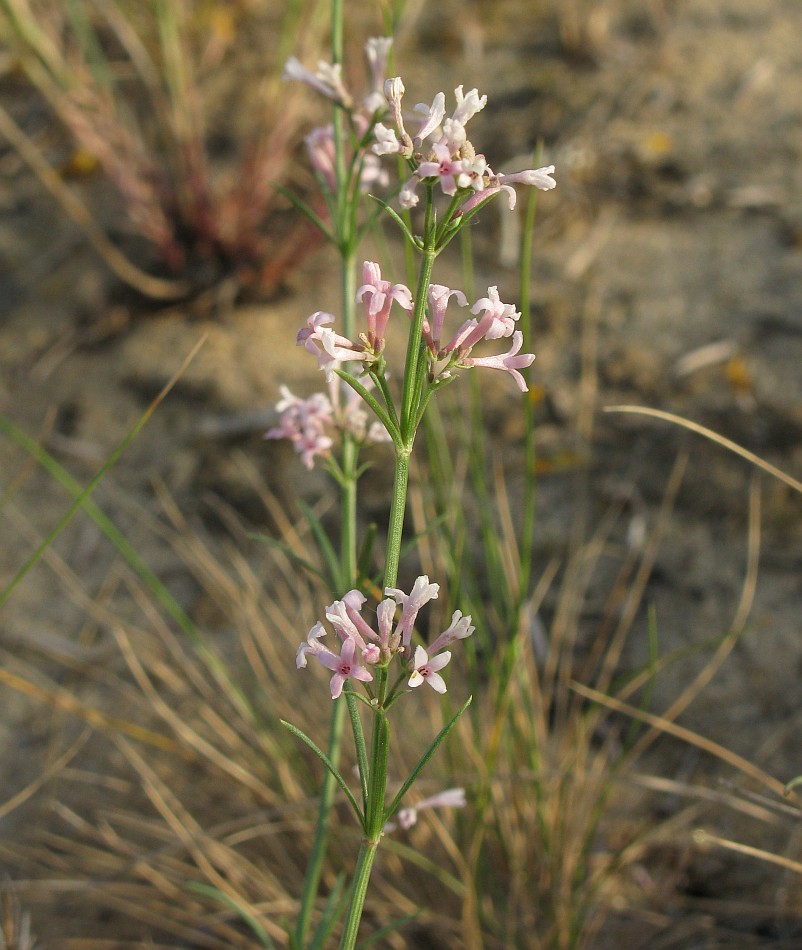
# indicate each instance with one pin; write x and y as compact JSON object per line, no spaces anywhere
{"x":429,"y":253}
{"x":348,"y":536}
{"x":528,"y":520}
{"x":395,"y":528}
{"x":350,"y":449}
{"x":349,"y":463}
{"x":374,"y":819}
{"x":364,"y":865}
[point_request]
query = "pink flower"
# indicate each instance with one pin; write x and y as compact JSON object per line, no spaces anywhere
{"x":499,"y":317}
{"x":386,"y":141}
{"x":303,"y":421}
{"x":493,"y":184}
{"x":474,"y":173}
{"x":345,"y":666}
{"x":422,"y":592}
{"x":347,"y":621}
{"x":320,"y":148}
{"x":344,"y":627}
{"x":377,"y":50}
{"x":509,"y":362}
{"x":498,"y":321}
{"x":330,"y":348}
{"x":361,"y":646}
{"x":327,"y":79}
{"x":442,"y":167}
{"x":311,"y":645}
{"x":538,"y":177}
{"x":468,"y":105}
{"x":438,"y":302}
{"x":385,"y":613}
{"x":408,"y":817}
{"x":379,"y":295}
{"x":459,"y":629}
{"x":407,"y":197}
{"x":426,"y":669}
{"x":432,"y":117}
{"x":394,"y":92}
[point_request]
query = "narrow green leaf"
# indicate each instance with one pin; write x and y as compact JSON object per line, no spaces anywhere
{"x":81,"y":499}
{"x":326,"y":548}
{"x":393,"y":927}
{"x":398,"y":220}
{"x":424,"y":760}
{"x":366,"y":551}
{"x":327,"y":762}
{"x":334,"y":908}
{"x":379,"y":410}
{"x":208,"y":891}
{"x":359,"y":744}
{"x":288,"y":551}
{"x":300,"y":205}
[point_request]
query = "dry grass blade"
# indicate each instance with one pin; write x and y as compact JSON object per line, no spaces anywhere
{"x":221,"y":867}
{"x":704,"y":838}
{"x":713,"y":437}
{"x":188,"y":736}
{"x":727,"y":644}
{"x":60,"y":698}
{"x":44,"y":777}
{"x":686,"y":735}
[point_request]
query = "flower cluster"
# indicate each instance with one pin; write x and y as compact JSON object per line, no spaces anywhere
{"x":362,"y":647}
{"x":305,"y":421}
{"x":448,"y":156}
{"x":497,"y":320}
{"x":327,"y":80}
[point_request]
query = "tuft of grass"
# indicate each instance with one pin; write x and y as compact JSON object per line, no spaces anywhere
{"x":151,"y":94}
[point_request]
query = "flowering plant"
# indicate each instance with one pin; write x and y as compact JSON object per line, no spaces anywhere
{"x":375,"y":666}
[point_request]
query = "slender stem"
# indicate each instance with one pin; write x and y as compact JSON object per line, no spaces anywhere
{"x":528,"y":520}
{"x":364,"y":865}
{"x":349,"y":464}
{"x":374,"y":819}
{"x":350,"y":449}
{"x":348,"y":539}
{"x":429,"y":253}
{"x":395,"y":528}
{"x":341,"y":187}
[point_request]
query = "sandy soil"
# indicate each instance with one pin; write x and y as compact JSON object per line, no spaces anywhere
{"x":668,"y":274}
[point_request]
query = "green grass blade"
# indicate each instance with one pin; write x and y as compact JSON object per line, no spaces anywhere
{"x":208,"y":891}
{"x":334,"y":908}
{"x":330,"y":556}
{"x":81,"y":499}
{"x":393,"y":927}
{"x":328,"y":763}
